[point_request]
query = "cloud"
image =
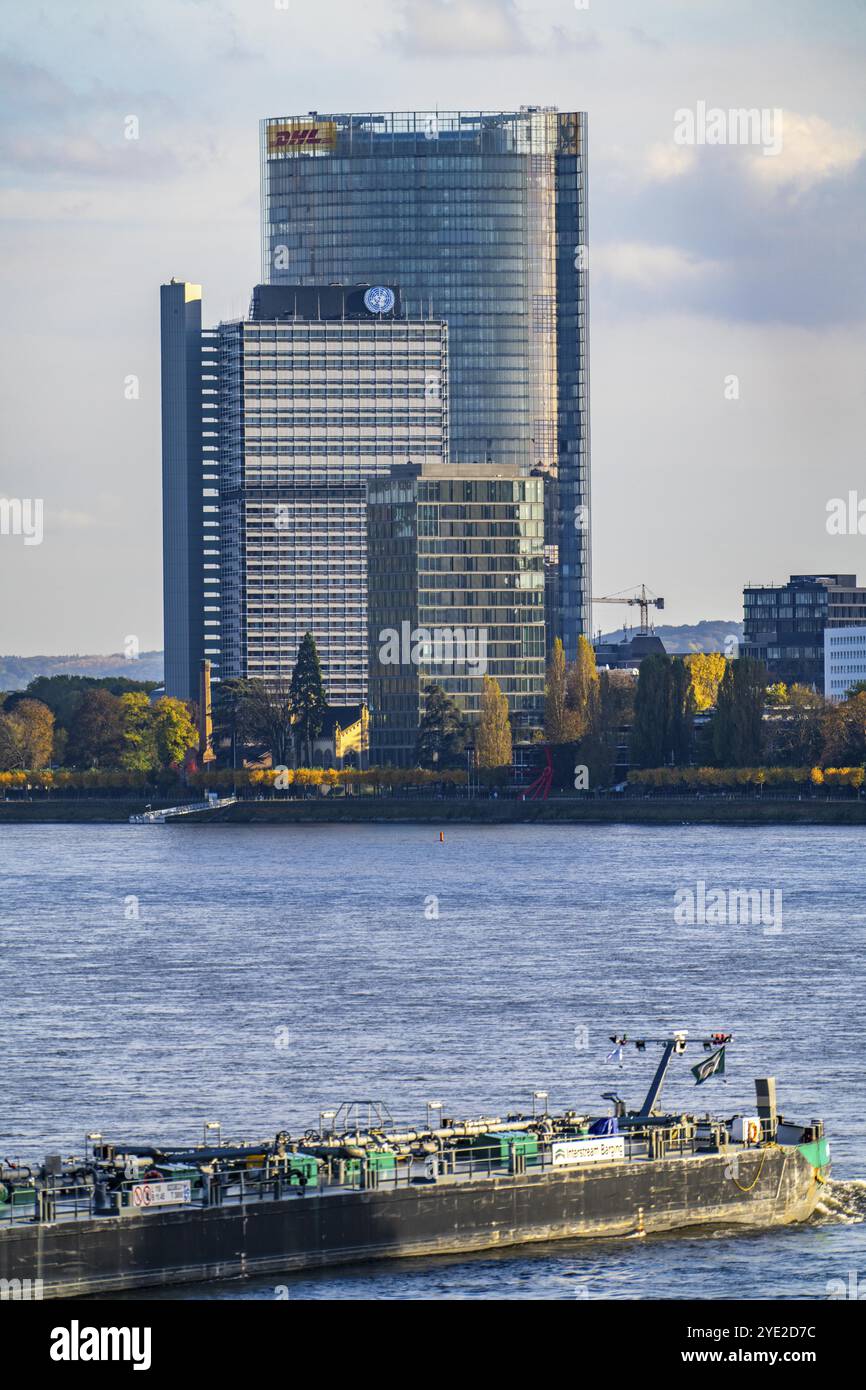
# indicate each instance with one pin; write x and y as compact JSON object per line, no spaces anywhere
{"x":650,"y":267}
{"x":470,"y":27}
{"x":812,"y":150}
{"x":669,"y":161}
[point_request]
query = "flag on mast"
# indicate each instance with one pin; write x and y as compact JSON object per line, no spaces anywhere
{"x":714,"y":1065}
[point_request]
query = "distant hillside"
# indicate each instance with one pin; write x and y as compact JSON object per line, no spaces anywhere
{"x":16,"y":672}
{"x":706,"y":636}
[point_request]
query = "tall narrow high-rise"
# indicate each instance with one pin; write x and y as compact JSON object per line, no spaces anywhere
{"x":190,"y":528}
{"x":481,"y":218}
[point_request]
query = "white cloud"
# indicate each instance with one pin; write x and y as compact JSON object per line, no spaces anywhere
{"x":650,"y":267}
{"x":671,"y":161}
{"x":812,"y":150}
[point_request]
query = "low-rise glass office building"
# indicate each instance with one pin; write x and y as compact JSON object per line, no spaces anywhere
{"x":455,"y":563}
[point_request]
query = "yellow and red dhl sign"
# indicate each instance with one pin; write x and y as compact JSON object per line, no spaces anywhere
{"x":302,"y":135}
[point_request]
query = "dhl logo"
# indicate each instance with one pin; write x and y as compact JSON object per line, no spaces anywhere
{"x":320,"y":135}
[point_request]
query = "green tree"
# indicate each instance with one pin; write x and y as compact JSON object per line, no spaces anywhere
{"x":555,"y":716}
{"x":174,"y":731}
{"x":582,"y":699}
{"x":616,"y":699}
{"x":96,"y":732}
{"x":33,"y":726}
{"x":139,"y":736}
{"x":442,"y":732}
{"x":63,"y":694}
{"x":493,"y":734}
{"x":307,"y":697}
{"x":662,"y":727}
{"x":738,"y":735}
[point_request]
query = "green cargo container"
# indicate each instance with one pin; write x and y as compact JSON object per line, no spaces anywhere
{"x":377,"y":1160}
{"x":17,"y":1196}
{"x":496,"y":1148}
{"x":303,"y":1164}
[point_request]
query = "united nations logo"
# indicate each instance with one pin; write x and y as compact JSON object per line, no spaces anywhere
{"x":379,"y":299}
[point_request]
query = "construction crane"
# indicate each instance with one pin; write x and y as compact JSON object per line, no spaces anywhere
{"x":644,"y":599}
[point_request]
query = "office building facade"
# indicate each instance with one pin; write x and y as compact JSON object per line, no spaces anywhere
{"x":844,"y":660}
{"x":784,"y":625}
{"x":455,"y":592}
{"x":481,"y":217}
{"x":317,"y":393}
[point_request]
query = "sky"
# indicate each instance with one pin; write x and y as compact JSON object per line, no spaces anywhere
{"x":727,"y":294}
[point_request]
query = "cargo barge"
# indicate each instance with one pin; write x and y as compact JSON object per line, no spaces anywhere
{"x":360,"y":1187}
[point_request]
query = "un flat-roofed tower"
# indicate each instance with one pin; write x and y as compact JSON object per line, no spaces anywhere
{"x":480,"y":217}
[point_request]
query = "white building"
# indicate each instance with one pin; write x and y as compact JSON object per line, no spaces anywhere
{"x":844,"y":660}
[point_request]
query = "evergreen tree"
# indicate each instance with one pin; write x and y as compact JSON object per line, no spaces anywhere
{"x":582,"y":692}
{"x":493,"y":735}
{"x":738,"y":726}
{"x":307,"y":698}
{"x":442,"y":732}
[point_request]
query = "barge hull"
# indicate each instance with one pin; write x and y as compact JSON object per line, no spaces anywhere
{"x":103,"y":1255}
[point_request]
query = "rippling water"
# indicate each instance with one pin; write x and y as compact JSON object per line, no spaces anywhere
{"x":156,"y":978}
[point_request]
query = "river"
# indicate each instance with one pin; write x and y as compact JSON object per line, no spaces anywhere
{"x":154,"y":979}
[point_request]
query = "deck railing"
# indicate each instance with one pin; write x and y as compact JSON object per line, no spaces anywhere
{"x":53,"y":1199}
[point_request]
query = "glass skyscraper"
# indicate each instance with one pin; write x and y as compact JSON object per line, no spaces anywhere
{"x":480,"y":217}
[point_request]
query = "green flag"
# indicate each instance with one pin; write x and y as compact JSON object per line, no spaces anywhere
{"x":711,"y":1066}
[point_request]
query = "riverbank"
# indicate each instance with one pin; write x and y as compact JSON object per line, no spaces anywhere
{"x":499,"y":811}
{"x":456,"y":810}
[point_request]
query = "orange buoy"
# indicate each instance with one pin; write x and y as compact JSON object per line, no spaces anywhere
{"x":441,"y":837}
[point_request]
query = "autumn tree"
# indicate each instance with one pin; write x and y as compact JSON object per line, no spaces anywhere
{"x":173,"y":730}
{"x":582,"y":692}
{"x":493,"y":734}
{"x":555,"y":716}
{"x":33,"y":729}
{"x":10,"y":748}
{"x":706,"y":670}
{"x":139,"y":740}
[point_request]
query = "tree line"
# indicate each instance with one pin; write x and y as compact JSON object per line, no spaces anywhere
{"x":91,"y":722}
